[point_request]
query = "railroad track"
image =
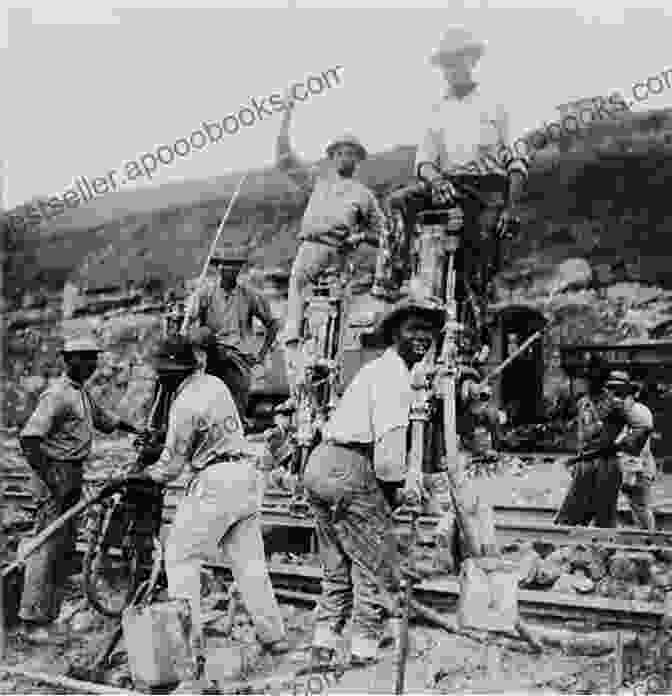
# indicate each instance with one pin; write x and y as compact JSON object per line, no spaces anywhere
{"x":301,"y":584}
{"x":512,"y":523}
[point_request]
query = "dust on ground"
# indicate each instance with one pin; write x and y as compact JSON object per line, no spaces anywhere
{"x":438,"y":662}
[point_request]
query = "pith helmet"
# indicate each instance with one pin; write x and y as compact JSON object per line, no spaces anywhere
{"x":428,"y":308}
{"x":347,"y":139}
{"x":82,"y":344}
{"x":457,"y":41}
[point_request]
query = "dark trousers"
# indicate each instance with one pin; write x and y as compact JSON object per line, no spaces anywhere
{"x":48,"y":568}
{"x":593,"y":494}
{"x":355,"y":540}
{"x":232,"y":369}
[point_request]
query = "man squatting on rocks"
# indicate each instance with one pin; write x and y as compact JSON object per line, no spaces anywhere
{"x":57,"y":441}
{"x":358,"y":474}
{"x":617,"y":426}
{"x":221,"y":321}
{"x":341,"y":214}
{"x":221,"y":504}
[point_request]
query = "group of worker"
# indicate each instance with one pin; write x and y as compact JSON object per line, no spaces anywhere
{"x":358,"y":474}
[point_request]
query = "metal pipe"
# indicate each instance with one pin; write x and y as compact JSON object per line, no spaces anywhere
{"x":213,"y":246}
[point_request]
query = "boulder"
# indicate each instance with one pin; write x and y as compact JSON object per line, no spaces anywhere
{"x":621,"y":567}
{"x":548,"y":573}
{"x":590,"y":561}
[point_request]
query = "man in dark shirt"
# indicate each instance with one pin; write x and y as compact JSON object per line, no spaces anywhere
{"x":221,"y":319}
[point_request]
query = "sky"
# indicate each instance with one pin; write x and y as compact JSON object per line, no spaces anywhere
{"x":88,"y":86}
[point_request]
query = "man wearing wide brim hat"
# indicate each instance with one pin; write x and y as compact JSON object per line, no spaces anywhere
{"x":341,"y":213}
{"x":360,"y":469}
{"x":466,"y":136}
{"x":220,"y":509}
{"x":56,"y":441}
{"x":220,"y":321}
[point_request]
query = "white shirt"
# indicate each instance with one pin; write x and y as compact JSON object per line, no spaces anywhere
{"x":470,"y":136}
{"x":376,"y":403}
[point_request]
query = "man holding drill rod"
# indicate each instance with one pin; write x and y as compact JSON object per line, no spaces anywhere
{"x":358,"y":474}
{"x":56,"y":441}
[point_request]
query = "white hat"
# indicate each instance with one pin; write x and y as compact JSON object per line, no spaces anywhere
{"x":82,"y":344}
{"x":347,"y":139}
{"x":454,"y":41}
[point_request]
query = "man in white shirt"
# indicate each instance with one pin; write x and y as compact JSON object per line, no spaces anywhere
{"x":358,"y":473}
{"x":467,"y":136}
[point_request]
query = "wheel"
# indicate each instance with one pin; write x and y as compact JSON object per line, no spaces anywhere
{"x":112,"y":564}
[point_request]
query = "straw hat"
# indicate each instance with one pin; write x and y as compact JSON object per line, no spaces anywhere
{"x":347,"y":139}
{"x":81,"y":344}
{"x":454,"y":42}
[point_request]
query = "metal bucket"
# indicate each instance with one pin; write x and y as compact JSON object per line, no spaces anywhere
{"x":156,"y":637}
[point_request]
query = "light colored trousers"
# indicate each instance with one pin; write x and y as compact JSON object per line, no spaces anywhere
{"x":311,"y":259}
{"x":220,"y":512}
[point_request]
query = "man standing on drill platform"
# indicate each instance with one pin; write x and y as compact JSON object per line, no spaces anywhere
{"x":342,"y":212}
{"x":358,"y":474}
{"x":467,"y":137}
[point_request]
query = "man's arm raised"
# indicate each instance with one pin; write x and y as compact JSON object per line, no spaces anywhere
{"x":286,"y":159}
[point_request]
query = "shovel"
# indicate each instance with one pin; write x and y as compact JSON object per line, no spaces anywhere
{"x":9,"y":577}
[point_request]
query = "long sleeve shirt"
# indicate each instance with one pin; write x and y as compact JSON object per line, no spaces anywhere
{"x":203,"y":422}
{"x":230,"y":315}
{"x":375,"y":409}
{"x":65,"y":419}
{"x":470,"y":136}
{"x":635,"y":438}
{"x":337,"y":207}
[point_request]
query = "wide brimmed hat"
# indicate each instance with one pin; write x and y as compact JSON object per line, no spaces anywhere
{"x":82,"y":344}
{"x":454,"y":42}
{"x":175,"y":354}
{"x":231,"y":257}
{"x":347,"y":139}
{"x":428,"y":308}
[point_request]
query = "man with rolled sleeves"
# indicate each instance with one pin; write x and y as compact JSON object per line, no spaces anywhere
{"x":221,"y":321}
{"x":341,"y":214}
{"x":358,"y":474}
{"x":56,"y":441}
{"x":221,"y":506}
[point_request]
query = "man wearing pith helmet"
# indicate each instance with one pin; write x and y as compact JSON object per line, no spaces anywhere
{"x":342,"y":212}
{"x":56,"y":441}
{"x":358,"y":474}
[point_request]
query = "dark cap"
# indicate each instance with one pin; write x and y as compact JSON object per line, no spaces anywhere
{"x":175,"y":354}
